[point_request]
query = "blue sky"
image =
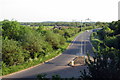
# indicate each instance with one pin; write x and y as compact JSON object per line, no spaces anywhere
{"x":59,"y":10}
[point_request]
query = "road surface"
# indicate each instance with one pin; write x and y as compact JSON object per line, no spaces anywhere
{"x":59,"y":65}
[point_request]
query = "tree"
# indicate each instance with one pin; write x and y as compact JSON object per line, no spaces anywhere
{"x":10,"y":29}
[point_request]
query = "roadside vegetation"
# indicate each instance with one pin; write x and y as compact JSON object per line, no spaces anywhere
{"x":106,"y":63}
{"x":24,"y":46}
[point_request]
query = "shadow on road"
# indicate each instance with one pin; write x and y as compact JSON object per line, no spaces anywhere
{"x":64,"y":72}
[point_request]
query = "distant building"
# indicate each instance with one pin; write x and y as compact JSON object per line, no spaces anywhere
{"x":57,"y":27}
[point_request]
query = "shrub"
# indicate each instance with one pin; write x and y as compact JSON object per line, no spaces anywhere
{"x":67,"y":34}
{"x":32,"y":42}
{"x":10,"y":29}
{"x":106,"y":65}
{"x":52,"y":39}
{"x":62,"y":40}
{"x":118,"y":41}
{"x":110,"y":41}
{"x":12,"y":52}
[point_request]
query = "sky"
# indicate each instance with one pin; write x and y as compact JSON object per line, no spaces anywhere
{"x":59,"y":10}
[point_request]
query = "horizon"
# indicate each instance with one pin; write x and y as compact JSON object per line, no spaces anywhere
{"x":55,"y":21}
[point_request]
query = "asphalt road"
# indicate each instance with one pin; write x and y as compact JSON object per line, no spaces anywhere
{"x":59,"y":65}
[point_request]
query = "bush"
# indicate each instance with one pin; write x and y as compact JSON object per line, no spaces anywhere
{"x":52,"y":39}
{"x":110,"y":41}
{"x":32,"y":42}
{"x":118,"y":41}
{"x":47,"y":48}
{"x":106,"y":65}
{"x":12,"y":52}
{"x":67,"y":34}
{"x":10,"y":29}
{"x":62,"y":40}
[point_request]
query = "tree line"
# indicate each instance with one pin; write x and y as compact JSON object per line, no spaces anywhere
{"x":70,"y":24}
